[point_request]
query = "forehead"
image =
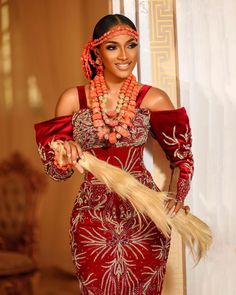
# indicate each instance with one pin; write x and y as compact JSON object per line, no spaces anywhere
{"x":121,"y":38}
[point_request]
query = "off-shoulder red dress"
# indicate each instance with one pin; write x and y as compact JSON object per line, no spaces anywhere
{"x":112,"y":253}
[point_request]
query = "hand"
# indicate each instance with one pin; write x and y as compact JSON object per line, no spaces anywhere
{"x":174,"y":206}
{"x":73,"y":153}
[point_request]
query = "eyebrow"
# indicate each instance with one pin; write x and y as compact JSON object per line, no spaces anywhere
{"x":114,"y":42}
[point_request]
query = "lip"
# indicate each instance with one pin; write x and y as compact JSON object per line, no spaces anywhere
{"x":123,"y":66}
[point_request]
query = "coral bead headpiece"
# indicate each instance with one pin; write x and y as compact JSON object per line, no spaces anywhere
{"x":86,"y":58}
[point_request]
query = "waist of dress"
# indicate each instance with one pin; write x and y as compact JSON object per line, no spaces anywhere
{"x":129,"y":159}
{"x":123,"y":157}
{"x":138,"y":172}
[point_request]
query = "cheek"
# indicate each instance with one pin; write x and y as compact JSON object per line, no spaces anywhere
{"x":108,"y":59}
{"x":134,"y":54}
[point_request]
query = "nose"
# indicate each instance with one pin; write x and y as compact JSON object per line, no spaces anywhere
{"x":122,"y":54}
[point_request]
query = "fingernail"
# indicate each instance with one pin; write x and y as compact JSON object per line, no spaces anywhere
{"x":82,"y":157}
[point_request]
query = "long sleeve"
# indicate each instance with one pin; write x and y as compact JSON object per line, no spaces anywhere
{"x":172,"y":131}
{"x":54,"y":129}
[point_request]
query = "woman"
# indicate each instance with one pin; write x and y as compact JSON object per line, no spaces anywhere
{"x":110,"y":117}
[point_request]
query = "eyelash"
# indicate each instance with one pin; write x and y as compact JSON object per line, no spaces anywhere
{"x":133,"y":45}
{"x":113,"y":47}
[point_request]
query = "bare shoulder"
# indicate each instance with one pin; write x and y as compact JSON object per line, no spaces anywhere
{"x":68,"y":102}
{"x":157,"y":100}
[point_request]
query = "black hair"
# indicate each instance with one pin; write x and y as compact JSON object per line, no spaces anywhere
{"x":104,"y":25}
{"x":109,"y":21}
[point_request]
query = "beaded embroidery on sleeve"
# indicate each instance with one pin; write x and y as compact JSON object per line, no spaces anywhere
{"x":59,"y":128}
{"x":181,"y":153}
{"x":172,"y":130}
{"x":47,"y":157}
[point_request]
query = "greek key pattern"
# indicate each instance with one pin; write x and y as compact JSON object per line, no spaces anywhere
{"x":163,"y":45}
{"x":164,"y":73}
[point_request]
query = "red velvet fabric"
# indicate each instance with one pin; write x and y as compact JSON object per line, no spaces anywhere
{"x":57,"y":128}
{"x":172,"y":130}
{"x":112,"y":251}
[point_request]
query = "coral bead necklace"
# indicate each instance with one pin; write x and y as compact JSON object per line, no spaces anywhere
{"x":112,"y":125}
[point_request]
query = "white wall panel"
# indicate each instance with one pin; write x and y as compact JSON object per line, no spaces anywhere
{"x":207,"y":64}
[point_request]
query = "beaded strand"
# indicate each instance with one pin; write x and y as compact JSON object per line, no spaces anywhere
{"x":112,"y":125}
{"x":86,"y":57}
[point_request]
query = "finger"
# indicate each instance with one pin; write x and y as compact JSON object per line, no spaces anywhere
{"x":67,"y":147}
{"x":79,"y":168}
{"x":79,"y":150}
{"x":74,"y":153}
{"x":169,"y":205}
{"x":178,"y":206}
{"x":186,"y":209}
{"x":170,"y":211}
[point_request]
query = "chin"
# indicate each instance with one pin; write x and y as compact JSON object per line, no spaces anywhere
{"x":123,"y":74}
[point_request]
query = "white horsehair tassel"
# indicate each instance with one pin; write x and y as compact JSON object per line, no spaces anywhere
{"x":146,"y":202}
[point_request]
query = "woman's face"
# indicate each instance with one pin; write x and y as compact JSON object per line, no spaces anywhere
{"x":119,"y":56}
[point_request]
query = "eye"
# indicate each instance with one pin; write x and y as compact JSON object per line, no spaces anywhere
{"x":111,"y":47}
{"x":132,"y":45}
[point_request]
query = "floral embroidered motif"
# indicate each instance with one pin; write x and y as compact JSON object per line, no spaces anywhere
{"x":118,"y":248}
{"x":155,"y":275}
{"x":47,"y":156}
{"x":183,"y":149}
{"x":85,"y":133}
{"x":113,"y":239}
{"x":162,"y":249}
{"x":112,"y":251}
{"x":182,"y":157}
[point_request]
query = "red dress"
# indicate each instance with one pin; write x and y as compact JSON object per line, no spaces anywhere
{"x":114,"y":254}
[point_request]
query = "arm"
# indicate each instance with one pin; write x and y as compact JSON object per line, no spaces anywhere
{"x":172,"y":130}
{"x":60,"y":128}
{"x":55,"y":129}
